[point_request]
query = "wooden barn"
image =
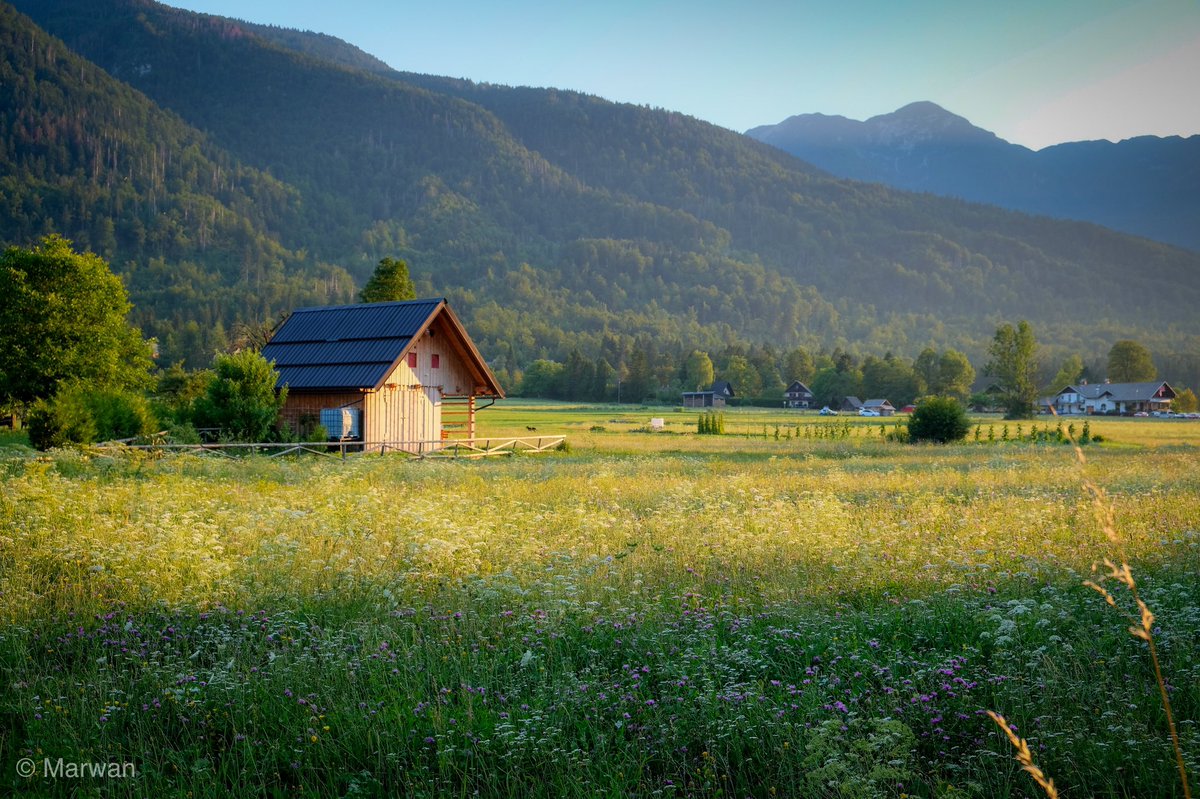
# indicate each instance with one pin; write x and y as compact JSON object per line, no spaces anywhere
{"x":400,"y":375}
{"x":714,"y":397}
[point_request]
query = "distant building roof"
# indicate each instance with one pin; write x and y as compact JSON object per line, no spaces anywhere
{"x":722,"y":387}
{"x":798,"y":388}
{"x":878,"y":403}
{"x":1123,"y":392}
{"x":346,"y":347}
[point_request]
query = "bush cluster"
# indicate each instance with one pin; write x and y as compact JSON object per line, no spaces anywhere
{"x":940,"y":420}
{"x":80,"y":414}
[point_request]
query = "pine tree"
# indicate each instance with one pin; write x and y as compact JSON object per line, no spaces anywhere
{"x":391,"y":282}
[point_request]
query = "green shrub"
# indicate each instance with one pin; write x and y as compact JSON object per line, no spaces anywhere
{"x":81,"y":414}
{"x":118,"y":414}
{"x":241,"y":399}
{"x":183,"y":434}
{"x":938,"y":419}
{"x":61,"y":421}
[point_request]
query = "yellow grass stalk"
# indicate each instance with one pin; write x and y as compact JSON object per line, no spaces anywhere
{"x":1025,"y":757}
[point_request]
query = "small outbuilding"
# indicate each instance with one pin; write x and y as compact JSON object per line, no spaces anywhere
{"x":880,"y":406}
{"x":397,"y":375}
{"x":714,"y":397}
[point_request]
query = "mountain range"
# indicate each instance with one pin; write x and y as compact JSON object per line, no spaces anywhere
{"x":230,"y":172}
{"x":1148,"y":185}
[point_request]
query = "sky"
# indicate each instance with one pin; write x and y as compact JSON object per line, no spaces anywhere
{"x":1034,"y":72}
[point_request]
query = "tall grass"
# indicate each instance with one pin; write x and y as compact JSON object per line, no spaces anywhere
{"x":825,"y":618}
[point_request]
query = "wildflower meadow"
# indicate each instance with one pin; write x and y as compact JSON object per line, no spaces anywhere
{"x":667,"y":615}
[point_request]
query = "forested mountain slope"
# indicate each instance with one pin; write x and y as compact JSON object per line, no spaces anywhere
{"x":193,"y":231}
{"x":556,"y":220}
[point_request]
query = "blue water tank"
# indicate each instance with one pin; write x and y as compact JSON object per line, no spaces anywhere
{"x":342,"y":423}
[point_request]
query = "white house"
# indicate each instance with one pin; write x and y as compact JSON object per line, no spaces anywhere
{"x":1111,"y":398}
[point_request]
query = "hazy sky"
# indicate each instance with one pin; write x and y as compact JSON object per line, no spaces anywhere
{"x":1035,"y":72}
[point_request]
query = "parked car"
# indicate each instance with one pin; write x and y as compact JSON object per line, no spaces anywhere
{"x":827,"y":411}
{"x":867,"y":412}
{"x":1143,"y":413}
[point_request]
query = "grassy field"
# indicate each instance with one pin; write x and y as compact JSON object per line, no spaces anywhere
{"x":825,"y":613}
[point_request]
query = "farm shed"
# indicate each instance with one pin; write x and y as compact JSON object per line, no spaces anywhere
{"x":880,"y":406}
{"x":401,"y":374}
{"x":714,"y":397}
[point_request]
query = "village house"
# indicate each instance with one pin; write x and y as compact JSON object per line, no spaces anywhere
{"x":714,"y":397}
{"x":401,"y":375}
{"x":850,"y":404}
{"x":880,"y":406}
{"x":797,"y":395}
{"x":1110,"y":398}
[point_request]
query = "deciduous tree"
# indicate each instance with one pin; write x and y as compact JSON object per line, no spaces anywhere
{"x":1185,"y":402}
{"x":955,"y":375}
{"x":798,"y":365}
{"x":697,"y":371}
{"x":1068,"y":374}
{"x":1014,"y":363}
{"x":1130,"y":362}
{"x":63,"y":316}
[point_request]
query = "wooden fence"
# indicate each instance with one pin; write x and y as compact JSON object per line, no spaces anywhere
{"x":452,"y":448}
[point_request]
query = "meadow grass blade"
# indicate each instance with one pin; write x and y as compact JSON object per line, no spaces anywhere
{"x":1025,"y":757}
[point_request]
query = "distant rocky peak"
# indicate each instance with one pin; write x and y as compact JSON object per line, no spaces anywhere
{"x":925,"y":123}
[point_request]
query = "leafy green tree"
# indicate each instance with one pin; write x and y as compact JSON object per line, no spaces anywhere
{"x":1014,"y":353}
{"x":744,"y":378}
{"x":542,"y":379}
{"x":241,"y":399}
{"x":938,"y":419}
{"x":798,"y":365}
{"x":63,"y":317}
{"x":830,"y":386}
{"x":955,"y":375}
{"x":1067,"y":375}
{"x":928,"y":368}
{"x":178,"y":390}
{"x":697,"y":371}
{"x":389,"y":283}
{"x":1130,"y":362}
{"x":890,"y":378}
{"x":1185,"y":402}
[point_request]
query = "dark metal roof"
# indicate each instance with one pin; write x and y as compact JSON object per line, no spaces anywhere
{"x":345,"y":346}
